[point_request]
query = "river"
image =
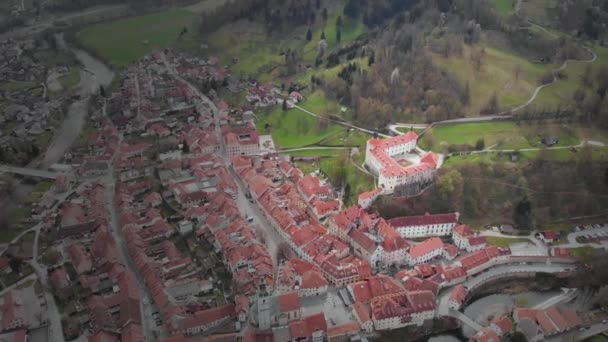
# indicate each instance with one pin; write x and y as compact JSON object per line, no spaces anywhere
{"x":93,"y":74}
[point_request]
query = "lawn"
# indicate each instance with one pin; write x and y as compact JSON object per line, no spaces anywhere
{"x":496,"y":75}
{"x":320,"y":152}
{"x":503,"y":6}
{"x":294,"y":128}
{"x":347,"y":137}
{"x":123,"y":41}
{"x":498,"y":135}
{"x":503,"y":241}
{"x":357,"y":180}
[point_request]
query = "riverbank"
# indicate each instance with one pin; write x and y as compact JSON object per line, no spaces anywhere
{"x":93,"y":75}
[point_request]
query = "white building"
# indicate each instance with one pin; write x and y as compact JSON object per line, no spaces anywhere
{"x":382,"y":157}
{"x":464,"y":238}
{"x":426,"y":225}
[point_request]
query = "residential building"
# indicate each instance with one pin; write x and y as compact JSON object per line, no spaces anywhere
{"x":425,"y":225}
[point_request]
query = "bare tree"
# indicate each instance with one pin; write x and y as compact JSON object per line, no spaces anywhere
{"x":477,"y":58}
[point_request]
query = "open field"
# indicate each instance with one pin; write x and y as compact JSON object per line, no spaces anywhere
{"x":599,"y":153}
{"x":320,"y":152}
{"x":503,"y":6}
{"x":498,"y":135}
{"x":498,"y":74}
{"x":123,"y":41}
{"x":294,"y":128}
{"x":247,"y":44}
{"x":504,"y":242}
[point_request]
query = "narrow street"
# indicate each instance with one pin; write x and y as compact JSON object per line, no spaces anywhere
{"x":248,"y":209}
{"x":146,"y":306}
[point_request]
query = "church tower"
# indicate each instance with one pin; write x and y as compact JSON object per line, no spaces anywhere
{"x":263,"y":306}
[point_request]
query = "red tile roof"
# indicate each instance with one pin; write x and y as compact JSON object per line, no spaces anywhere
{"x":504,"y":324}
{"x":425,"y":247}
{"x":298,"y":330}
{"x":424,"y":220}
{"x":459,"y":294}
{"x":289,"y":302}
{"x":485,"y":335}
{"x":463,"y":230}
{"x":316,"y":322}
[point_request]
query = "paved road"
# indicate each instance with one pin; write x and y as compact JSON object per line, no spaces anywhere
{"x":538,"y":243}
{"x":493,"y":273}
{"x":567,"y":294}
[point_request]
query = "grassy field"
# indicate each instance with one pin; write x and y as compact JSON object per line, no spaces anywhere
{"x":496,"y":75}
{"x":503,"y":6}
{"x":123,"y":41}
{"x":540,"y":11}
{"x":247,"y":44}
{"x":561,"y":92}
{"x":498,"y":135}
{"x":294,"y":128}
{"x":320,"y":152}
{"x":503,"y":241}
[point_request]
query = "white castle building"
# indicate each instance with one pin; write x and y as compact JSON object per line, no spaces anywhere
{"x":387,"y":158}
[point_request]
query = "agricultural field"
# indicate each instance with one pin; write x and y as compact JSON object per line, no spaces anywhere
{"x":123,"y":41}
{"x":512,"y":78}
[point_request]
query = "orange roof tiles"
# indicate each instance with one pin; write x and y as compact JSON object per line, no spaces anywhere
{"x":425,"y":247}
{"x":289,"y":302}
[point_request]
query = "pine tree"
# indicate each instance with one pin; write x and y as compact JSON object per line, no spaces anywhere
{"x":324,"y":14}
{"x":284,"y":105}
{"x":308,"y":35}
{"x":323,"y":35}
{"x":338,"y":35}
